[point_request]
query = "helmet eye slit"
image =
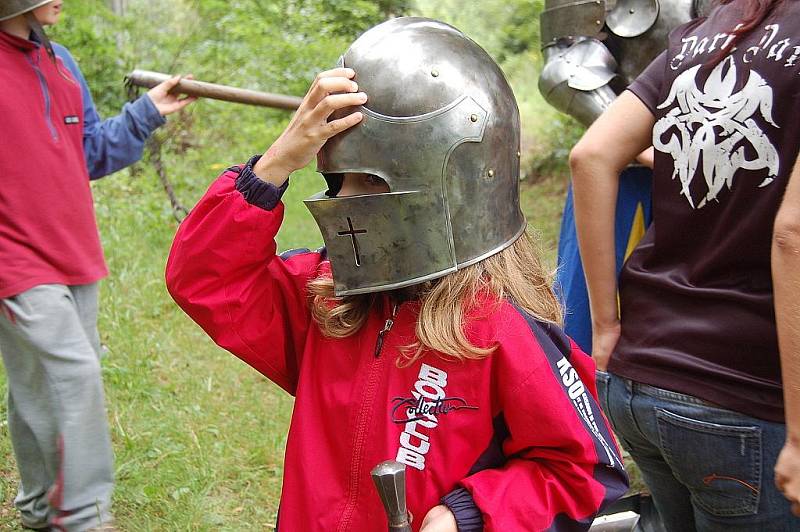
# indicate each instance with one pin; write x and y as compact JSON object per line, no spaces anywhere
{"x":375,"y":181}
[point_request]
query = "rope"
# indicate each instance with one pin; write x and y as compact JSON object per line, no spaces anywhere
{"x":153,"y":145}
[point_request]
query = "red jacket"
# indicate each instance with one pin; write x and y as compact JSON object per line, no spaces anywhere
{"x":515,"y":440}
{"x":48,"y":232}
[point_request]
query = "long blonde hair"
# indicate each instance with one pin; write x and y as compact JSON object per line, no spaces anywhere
{"x":515,"y":273}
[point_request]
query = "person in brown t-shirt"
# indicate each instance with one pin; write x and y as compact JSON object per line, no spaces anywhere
{"x":694,"y":374}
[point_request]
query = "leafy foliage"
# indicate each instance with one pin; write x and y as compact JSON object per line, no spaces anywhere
{"x":90,"y":30}
{"x":520,"y":32}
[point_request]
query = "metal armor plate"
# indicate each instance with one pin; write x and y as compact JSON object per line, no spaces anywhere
{"x":631,"y":18}
{"x":575,"y":79}
{"x":584,"y":18}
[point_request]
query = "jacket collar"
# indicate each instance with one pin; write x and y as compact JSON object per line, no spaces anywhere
{"x":13,"y":42}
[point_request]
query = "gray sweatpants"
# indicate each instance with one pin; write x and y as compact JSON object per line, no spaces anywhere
{"x":56,"y":413}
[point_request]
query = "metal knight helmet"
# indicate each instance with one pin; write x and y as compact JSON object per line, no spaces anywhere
{"x":12,"y":8}
{"x":442,"y":128}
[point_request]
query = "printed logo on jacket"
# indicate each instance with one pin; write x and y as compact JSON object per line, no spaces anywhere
{"x":428,"y":401}
{"x":580,"y":399}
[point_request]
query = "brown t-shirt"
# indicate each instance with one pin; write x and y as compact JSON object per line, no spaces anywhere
{"x":696,"y":294}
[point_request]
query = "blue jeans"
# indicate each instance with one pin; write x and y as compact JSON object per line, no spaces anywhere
{"x":707,"y":468}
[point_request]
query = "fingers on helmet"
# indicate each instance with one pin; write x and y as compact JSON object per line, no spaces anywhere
{"x":327,"y":86}
{"x":334,"y":127}
{"x":336,"y":72}
{"x":334,"y":102}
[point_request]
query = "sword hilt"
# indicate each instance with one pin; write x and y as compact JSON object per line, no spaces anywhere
{"x":390,"y":481}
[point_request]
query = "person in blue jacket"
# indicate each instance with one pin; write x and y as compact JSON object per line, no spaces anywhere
{"x":115,"y":143}
{"x":53,"y":143}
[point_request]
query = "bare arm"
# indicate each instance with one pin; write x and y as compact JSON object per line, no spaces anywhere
{"x":786,"y":284}
{"x":646,"y":157}
{"x":613,"y":141}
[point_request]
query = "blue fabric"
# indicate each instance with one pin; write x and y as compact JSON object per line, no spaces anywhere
{"x":257,"y":191}
{"x":468,"y":515}
{"x":114,"y":143}
{"x":708,"y":468}
{"x":634,"y":190}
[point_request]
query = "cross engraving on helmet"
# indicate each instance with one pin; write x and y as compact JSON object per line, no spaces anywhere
{"x":352,"y":234}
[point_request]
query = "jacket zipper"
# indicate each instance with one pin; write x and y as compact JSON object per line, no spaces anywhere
{"x":46,"y":94}
{"x":365,"y":413}
{"x":386,"y":328}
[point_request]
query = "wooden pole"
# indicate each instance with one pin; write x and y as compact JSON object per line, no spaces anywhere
{"x":190,"y":87}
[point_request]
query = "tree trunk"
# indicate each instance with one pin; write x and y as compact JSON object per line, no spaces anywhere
{"x":118,"y":6}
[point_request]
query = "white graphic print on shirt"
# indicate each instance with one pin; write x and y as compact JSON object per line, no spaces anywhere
{"x":712,"y":128}
{"x":716,"y":123}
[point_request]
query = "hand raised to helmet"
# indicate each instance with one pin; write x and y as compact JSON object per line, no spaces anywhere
{"x":309,"y":128}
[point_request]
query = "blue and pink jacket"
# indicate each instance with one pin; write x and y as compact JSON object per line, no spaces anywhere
{"x":512,"y":442}
{"x":52,"y":142}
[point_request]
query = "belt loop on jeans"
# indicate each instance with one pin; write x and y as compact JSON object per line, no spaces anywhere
{"x":628,"y":384}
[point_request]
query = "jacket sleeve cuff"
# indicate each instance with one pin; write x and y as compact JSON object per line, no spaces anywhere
{"x":146,"y":112}
{"x":468,"y":515}
{"x":257,"y":191}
